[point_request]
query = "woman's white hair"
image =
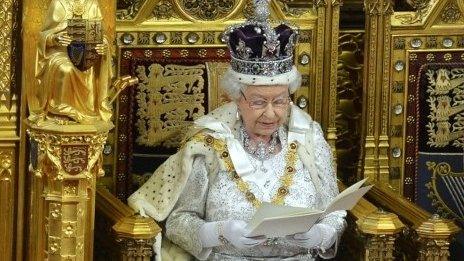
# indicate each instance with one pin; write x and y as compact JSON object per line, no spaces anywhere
{"x":233,"y":82}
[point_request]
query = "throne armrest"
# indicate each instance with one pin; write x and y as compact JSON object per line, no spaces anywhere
{"x":370,"y":233}
{"x":425,"y":236}
{"x":123,"y":234}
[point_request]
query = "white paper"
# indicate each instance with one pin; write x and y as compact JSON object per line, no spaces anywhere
{"x":279,"y":221}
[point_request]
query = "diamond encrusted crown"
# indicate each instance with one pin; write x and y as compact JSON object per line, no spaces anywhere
{"x":257,"y":48}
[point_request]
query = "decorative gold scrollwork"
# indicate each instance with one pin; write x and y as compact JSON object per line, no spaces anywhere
{"x":453,"y":182}
{"x":163,"y":10}
{"x":169,"y":98}
{"x":451,"y":14}
{"x":74,"y":158}
{"x":67,"y":154}
{"x":6,"y":163}
{"x":422,"y":9}
{"x":349,"y":82}
{"x":130,"y":11}
{"x":208,"y":9}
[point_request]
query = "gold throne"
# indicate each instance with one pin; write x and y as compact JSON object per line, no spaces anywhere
{"x":360,"y":84}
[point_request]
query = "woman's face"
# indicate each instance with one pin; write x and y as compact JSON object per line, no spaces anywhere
{"x":264,"y":108}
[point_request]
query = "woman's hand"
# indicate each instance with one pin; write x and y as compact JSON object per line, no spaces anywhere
{"x":234,"y":230}
{"x":230,"y":231}
{"x":62,"y":39}
{"x":138,"y":206}
{"x":320,"y":236}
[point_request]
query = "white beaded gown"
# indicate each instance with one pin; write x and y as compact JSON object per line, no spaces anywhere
{"x":208,"y":197}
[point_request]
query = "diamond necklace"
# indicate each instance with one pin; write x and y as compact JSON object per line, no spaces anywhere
{"x":260,"y":150}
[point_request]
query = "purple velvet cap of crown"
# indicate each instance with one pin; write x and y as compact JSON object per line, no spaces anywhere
{"x":253,"y":37}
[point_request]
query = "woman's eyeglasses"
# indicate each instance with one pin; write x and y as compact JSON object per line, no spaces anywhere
{"x":259,"y":104}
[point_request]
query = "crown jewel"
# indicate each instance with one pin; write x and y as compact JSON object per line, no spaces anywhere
{"x":257,"y":48}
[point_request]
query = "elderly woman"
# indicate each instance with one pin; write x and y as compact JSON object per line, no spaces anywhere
{"x":258,"y":148}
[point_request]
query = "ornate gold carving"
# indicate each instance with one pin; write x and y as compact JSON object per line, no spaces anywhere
{"x":296,"y":8}
{"x":378,"y":7}
{"x":380,"y":229}
{"x":454,"y":184}
{"x":131,"y":11}
{"x":73,"y":85}
{"x":8,"y":192}
{"x":54,"y":150}
{"x":320,"y":3}
{"x":319,"y":68}
{"x":176,"y":37}
{"x":6,"y":24}
{"x":136,"y":236}
{"x":305,"y":36}
{"x":396,"y":130}
{"x":431,"y":42}
{"x":68,"y":161}
{"x":399,"y":43}
{"x":70,"y":188}
{"x":143,"y":38}
{"x":445,"y":123}
{"x":6,"y":165}
{"x":208,"y":10}
{"x":349,"y":109}
{"x":8,"y":99}
{"x":332,"y":45}
{"x":216,"y":95}
{"x":137,"y":249}
{"x":163,"y":10}
{"x":377,"y":87}
{"x":398,"y":87}
{"x":74,"y":158}
{"x":169,"y":98}
{"x":209,"y":38}
{"x":434,"y":236}
{"x":451,"y":14}
{"x":371,"y":68}
{"x":422,"y":9}
{"x":55,"y":210}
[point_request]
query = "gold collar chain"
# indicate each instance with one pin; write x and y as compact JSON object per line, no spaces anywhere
{"x":286,"y":180}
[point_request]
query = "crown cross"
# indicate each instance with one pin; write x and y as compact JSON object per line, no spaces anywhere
{"x":262,"y":10}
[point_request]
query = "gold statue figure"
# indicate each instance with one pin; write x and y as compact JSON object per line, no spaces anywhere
{"x":73,"y":66}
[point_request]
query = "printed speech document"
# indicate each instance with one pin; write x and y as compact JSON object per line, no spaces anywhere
{"x":279,"y":221}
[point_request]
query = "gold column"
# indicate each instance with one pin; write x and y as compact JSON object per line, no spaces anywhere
{"x":434,"y":237}
{"x":377,"y":88}
{"x":380,"y":230}
{"x":320,"y":7}
{"x":66,"y":161}
{"x":331,"y":70}
{"x":325,"y":102}
{"x":7,"y":171}
{"x":11,"y":185}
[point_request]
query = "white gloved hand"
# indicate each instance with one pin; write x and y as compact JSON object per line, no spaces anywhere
{"x":320,"y":236}
{"x":231,"y":231}
{"x":138,"y":206}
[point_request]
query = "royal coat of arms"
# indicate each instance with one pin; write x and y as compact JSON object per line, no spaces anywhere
{"x":74,"y":158}
{"x":86,"y":35}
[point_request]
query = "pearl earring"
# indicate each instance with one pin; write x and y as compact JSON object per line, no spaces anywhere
{"x":237,"y":116}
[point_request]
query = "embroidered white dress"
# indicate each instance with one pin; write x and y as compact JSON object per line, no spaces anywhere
{"x":193,"y":186}
{"x":208,"y":197}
